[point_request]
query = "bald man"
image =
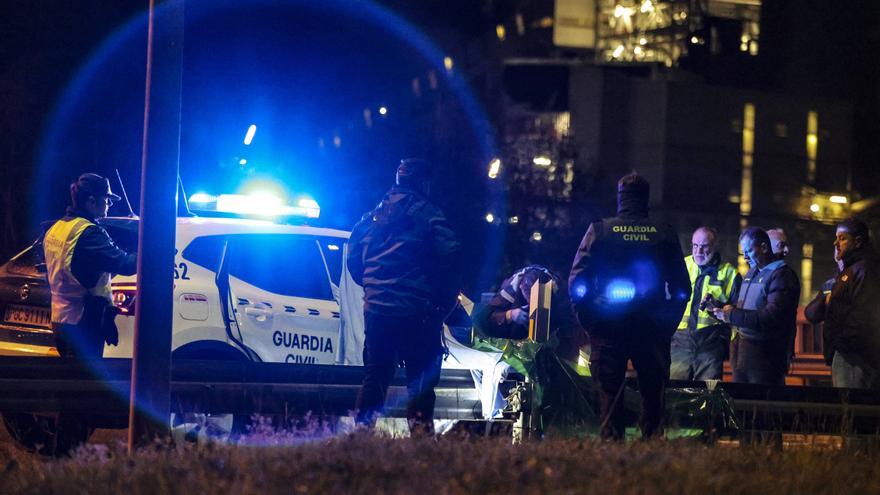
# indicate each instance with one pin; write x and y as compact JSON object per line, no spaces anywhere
{"x":700,"y":345}
{"x":778,"y":243}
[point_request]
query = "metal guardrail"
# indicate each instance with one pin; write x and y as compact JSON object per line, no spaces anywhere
{"x":101,"y":388}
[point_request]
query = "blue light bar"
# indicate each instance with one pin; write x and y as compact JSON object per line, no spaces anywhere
{"x":261,"y":204}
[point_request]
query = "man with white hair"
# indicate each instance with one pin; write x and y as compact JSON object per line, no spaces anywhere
{"x":701,"y":342}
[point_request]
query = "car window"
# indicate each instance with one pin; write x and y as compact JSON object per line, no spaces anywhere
{"x":283,"y":264}
{"x":332,"y":249}
{"x":280,"y":263}
{"x":28,"y":262}
{"x":205,"y":251}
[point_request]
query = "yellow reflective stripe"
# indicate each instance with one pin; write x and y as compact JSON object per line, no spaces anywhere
{"x":727,"y":276}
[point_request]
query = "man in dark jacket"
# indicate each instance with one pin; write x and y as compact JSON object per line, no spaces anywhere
{"x":507,"y":314}
{"x":852,"y":319}
{"x":80,"y":260}
{"x":406,"y":257}
{"x":765,"y":314}
{"x":629,"y":286}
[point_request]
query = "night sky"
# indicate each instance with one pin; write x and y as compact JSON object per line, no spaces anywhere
{"x":72,"y":78}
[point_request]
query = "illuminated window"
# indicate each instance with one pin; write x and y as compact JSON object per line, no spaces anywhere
{"x":807,"y":274}
{"x":812,"y":144}
{"x":748,"y":154}
{"x":501,"y":32}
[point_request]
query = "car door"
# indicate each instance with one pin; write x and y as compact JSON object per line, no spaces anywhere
{"x":283,"y":299}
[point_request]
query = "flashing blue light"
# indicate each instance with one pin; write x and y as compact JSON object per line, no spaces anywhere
{"x":579,"y":291}
{"x":620,"y":291}
{"x":250,"y":134}
{"x":202,"y":198}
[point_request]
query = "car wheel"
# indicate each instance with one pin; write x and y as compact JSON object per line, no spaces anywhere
{"x":53,"y":435}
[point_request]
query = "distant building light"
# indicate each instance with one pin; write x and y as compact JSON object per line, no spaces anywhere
{"x":643,"y":41}
{"x":695,"y":40}
{"x":814,"y":208}
{"x":243,"y":161}
{"x":490,"y":217}
{"x":383,"y":110}
{"x":249,"y":136}
{"x":513,"y":220}
{"x":542,"y":161}
{"x":501,"y":32}
{"x":536,"y":236}
{"x":337,"y":141}
{"x":617,"y":51}
{"x":621,"y":11}
{"x":646,"y":7}
{"x":838,"y":199}
{"x":494,"y":168}
{"x":447,"y":62}
{"x":637,"y":50}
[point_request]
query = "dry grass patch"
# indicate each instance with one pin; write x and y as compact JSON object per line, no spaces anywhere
{"x":363,"y":463}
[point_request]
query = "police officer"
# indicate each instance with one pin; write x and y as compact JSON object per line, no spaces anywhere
{"x":80,"y":260}
{"x":701,"y":342}
{"x":629,"y":286}
{"x":406,"y":256}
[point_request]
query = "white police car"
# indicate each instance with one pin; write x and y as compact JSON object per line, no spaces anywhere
{"x":243,"y":289}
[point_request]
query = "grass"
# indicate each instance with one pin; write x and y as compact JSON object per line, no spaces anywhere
{"x":291,"y":462}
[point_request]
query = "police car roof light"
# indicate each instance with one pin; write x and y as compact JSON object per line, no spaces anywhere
{"x":256,"y":204}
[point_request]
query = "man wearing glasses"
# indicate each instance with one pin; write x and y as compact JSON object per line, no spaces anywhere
{"x":80,"y":260}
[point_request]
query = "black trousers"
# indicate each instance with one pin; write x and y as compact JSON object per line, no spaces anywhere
{"x":82,"y":340}
{"x":650,"y":356}
{"x":414,"y":341}
{"x":756,"y":361}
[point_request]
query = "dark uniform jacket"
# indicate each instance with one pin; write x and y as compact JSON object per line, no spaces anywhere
{"x":406,"y":256}
{"x":96,"y":253}
{"x":852,"y":319}
{"x":767,"y":307}
{"x":629,"y":272}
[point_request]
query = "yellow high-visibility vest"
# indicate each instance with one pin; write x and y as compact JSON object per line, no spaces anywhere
{"x":721,"y":289}
{"x":67,"y":293}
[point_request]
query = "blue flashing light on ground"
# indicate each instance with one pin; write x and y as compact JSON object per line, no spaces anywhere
{"x":620,"y":291}
{"x":579,"y":290}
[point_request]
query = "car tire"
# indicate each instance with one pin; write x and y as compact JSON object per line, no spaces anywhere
{"x":52,"y":435}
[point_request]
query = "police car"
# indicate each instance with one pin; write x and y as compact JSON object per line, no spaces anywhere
{"x":244,"y":288}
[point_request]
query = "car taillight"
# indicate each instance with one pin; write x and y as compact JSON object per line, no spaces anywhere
{"x":123,"y":299}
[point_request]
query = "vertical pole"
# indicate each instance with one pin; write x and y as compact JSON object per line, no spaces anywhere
{"x":151,"y":362}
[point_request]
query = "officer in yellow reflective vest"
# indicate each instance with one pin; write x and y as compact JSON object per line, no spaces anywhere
{"x":80,"y":260}
{"x":701,"y":342}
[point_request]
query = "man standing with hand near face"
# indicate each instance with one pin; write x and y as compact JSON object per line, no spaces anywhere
{"x":764,"y":317}
{"x":701,"y":342}
{"x":852,"y":320}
